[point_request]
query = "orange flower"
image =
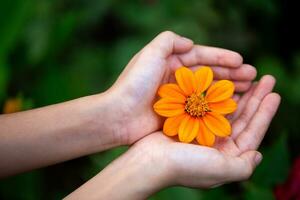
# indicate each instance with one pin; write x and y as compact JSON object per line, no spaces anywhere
{"x":12,"y":105}
{"x":194,"y":108}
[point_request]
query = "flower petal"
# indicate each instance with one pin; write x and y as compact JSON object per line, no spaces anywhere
{"x":204,"y":77}
{"x":171,"y":90}
{"x":172,"y":124}
{"x":223,"y":107}
{"x":186,"y":80}
{"x":188,"y":129}
{"x":169,"y":107}
{"x":205,"y":136}
{"x":220,"y":91}
{"x":217,"y":124}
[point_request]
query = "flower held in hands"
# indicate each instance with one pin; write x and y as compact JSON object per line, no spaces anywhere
{"x":194,"y":107}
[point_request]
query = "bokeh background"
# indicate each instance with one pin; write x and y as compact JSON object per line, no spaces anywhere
{"x":56,"y":50}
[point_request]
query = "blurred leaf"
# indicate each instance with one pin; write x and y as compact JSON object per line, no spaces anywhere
{"x":275,"y":164}
{"x":27,"y":186}
{"x":257,"y":193}
{"x":175,"y":193}
{"x":53,"y":50}
{"x":104,"y":158}
{"x":101,"y":160}
{"x":123,"y":52}
{"x":271,"y":65}
{"x":4,"y":75}
{"x":218,"y":193}
{"x":13,"y":14}
{"x":267,"y":7}
{"x":37,"y":39}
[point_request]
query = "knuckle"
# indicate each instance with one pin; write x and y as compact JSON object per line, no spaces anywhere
{"x":167,"y":34}
{"x":220,"y":59}
{"x":243,"y":118}
{"x":244,"y":145}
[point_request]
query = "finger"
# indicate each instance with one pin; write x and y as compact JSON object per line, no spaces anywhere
{"x":204,"y":55}
{"x":241,"y":86}
{"x":167,"y":43}
{"x":242,"y":103}
{"x":236,"y":97}
{"x":243,"y":73}
{"x":241,"y":167}
{"x":264,"y":87}
{"x":149,"y":63}
{"x":251,"y":138}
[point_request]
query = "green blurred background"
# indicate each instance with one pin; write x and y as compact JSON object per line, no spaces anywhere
{"x":56,"y":50}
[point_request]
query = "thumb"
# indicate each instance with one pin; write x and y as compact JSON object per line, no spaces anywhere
{"x":251,"y":160}
{"x":252,"y":157}
{"x":167,"y":43}
{"x":242,"y":167}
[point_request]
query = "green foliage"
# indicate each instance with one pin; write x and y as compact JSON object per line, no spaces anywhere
{"x":56,"y":50}
{"x":274,"y":167}
{"x":25,"y":186}
{"x":3,"y":78}
{"x":258,"y":193}
{"x":175,"y":193}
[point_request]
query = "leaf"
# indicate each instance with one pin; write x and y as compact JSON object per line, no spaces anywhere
{"x":257,"y":193}
{"x":13,"y":15}
{"x":101,"y":160}
{"x":177,"y":193}
{"x":28,"y":186}
{"x":4,"y":75}
{"x":218,"y":193}
{"x":275,"y":164}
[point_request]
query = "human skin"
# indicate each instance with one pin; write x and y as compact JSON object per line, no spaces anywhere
{"x":120,"y":116}
{"x":157,"y":161}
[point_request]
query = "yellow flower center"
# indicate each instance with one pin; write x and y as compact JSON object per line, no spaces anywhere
{"x":196,"y":106}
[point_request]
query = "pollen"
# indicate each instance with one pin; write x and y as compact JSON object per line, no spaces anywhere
{"x":196,"y":106}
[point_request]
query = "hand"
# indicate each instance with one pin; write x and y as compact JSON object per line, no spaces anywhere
{"x":233,"y":158}
{"x":157,"y":161}
{"x":133,"y":94}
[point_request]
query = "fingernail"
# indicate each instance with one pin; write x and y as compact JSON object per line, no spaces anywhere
{"x":258,"y":158}
{"x":217,"y":185}
{"x":187,"y":39}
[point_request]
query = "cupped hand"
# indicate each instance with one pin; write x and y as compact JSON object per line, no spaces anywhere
{"x":157,"y":161}
{"x":231,"y":159}
{"x":133,"y":94}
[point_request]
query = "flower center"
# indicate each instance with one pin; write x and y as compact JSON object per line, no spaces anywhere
{"x":196,"y":106}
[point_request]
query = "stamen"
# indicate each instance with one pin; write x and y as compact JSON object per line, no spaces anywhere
{"x":196,"y":106}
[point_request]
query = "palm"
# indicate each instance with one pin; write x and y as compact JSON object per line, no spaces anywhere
{"x":249,"y":124}
{"x":145,"y":73}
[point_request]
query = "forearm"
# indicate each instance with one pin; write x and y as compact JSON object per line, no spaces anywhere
{"x":131,"y":176}
{"x":52,"y":134}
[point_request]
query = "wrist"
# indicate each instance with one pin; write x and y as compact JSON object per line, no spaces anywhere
{"x":133,"y":175}
{"x":151,"y":172}
{"x":100,"y":121}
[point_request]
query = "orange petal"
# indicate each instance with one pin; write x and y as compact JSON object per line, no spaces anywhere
{"x":220,"y":91}
{"x":171,"y":125}
{"x":223,"y":107}
{"x":188,"y":129}
{"x":205,"y":136}
{"x":169,"y":107}
{"x":217,"y":124}
{"x":204,"y":77}
{"x":186,"y":80}
{"x":171,"y":90}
